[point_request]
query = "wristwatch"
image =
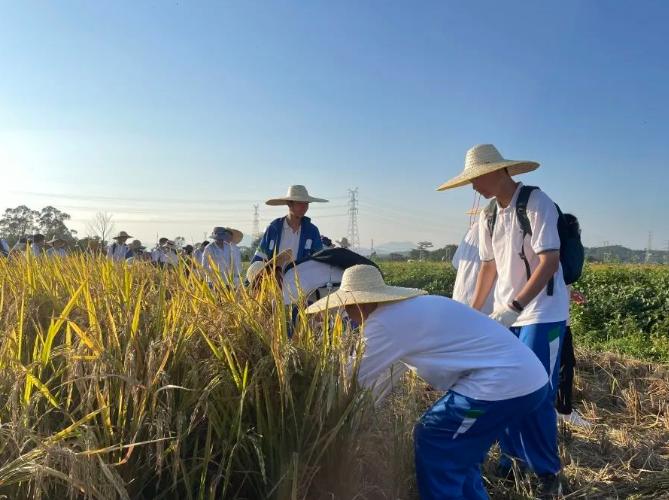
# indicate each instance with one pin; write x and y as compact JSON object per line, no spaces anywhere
{"x":516,"y":305}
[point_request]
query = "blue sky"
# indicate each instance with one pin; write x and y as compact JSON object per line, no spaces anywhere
{"x":178,"y":116}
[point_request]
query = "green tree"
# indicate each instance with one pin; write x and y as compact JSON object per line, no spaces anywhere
{"x":17,"y":222}
{"x":51,"y":223}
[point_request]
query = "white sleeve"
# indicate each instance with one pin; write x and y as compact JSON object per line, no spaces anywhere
{"x":543,"y":218}
{"x":458,"y":253}
{"x":485,"y":240}
{"x":205,"y":259}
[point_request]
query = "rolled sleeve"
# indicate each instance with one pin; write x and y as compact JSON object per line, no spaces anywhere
{"x":543,"y":216}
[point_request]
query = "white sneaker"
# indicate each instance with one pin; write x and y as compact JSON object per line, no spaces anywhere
{"x":574,"y":418}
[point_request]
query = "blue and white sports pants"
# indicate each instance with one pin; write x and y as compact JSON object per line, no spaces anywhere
{"x":533,"y":439}
{"x":452,"y":440}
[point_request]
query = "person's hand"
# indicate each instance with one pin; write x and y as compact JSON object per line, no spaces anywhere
{"x":578,"y":298}
{"x":505,"y":315}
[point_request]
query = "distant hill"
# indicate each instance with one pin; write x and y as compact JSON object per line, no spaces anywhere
{"x":617,"y":253}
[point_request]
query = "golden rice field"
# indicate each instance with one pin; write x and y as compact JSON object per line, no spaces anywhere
{"x":132,"y":382}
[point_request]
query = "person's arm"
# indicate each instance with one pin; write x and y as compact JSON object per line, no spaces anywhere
{"x":488,"y":271}
{"x":548,"y":266}
{"x":484,"y":283}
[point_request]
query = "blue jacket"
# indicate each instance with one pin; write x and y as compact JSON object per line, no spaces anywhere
{"x":310,"y":240}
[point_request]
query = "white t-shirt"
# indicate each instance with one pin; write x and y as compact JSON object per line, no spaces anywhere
{"x":290,"y":239}
{"x":467,"y":263}
{"x":307,"y":277}
{"x":224,"y":261}
{"x":451,"y":346}
{"x":504,"y":248}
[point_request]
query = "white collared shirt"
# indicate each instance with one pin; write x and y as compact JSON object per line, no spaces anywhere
{"x":450,"y":346}
{"x":290,"y":239}
{"x":504,"y":248}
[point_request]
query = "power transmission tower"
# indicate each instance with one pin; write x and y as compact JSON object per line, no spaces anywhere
{"x":256,"y":222}
{"x":649,"y":248}
{"x":353,"y":234}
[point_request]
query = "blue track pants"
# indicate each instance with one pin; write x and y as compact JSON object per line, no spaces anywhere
{"x":452,"y":440}
{"x":533,"y":439}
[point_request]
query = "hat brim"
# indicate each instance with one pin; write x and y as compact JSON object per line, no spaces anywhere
{"x":237,"y":236}
{"x":466,"y":177}
{"x":121,"y":236}
{"x":274,"y":202}
{"x":342,"y":298}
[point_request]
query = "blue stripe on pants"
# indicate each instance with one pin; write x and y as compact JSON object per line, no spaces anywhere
{"x":533,"y":439}
{"x":453,"y":437}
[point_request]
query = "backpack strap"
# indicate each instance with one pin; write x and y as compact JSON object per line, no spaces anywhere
{"x":491,"y":216}
{"x":524,"y":221}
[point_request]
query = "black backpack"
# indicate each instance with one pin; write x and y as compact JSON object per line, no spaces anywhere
{"x":343,"y":258}
{"x":572,"y":253}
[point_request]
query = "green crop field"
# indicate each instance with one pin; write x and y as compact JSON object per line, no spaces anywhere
{"x":627,"y":309}
{"x":133,"y":382}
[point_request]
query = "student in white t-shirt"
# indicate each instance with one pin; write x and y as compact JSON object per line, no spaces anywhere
{"x":467,"y":263}
{"x":57,"y":247}
{"x":530,"y":293}
{"x":219,"y":256}
{"x":491,"y":377}
{"x":118,"y":251}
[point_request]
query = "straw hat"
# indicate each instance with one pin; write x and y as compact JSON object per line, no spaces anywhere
{"x":55,"y":240}
{"x":295,"y":193}
{"x":221,"y":233}
{"x":121,"y":235}
{"x":137,"y":245}
{"x":363,"y":284}
{"x":258,"y":267}
{"x":483,"y":159}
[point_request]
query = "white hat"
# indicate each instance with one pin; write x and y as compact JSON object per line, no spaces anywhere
{"x":121,"y":234}
{"x":295,"y":193}
{"x":363,"y":284}
{"x":278,"y":261}
{"x":483,"y":159}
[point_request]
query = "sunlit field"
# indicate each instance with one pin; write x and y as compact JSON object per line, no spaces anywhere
{"x":128,"y":381}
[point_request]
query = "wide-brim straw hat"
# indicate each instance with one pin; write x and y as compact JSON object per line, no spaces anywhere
{"x":295,"y":193}
{"x":218,"y":233}
{"x":121,"y":234}
{"x":483,"y":159}
{"x":278,"y":261}
{"x":363,"y":284}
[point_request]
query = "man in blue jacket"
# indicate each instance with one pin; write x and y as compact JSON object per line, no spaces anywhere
{"x":294,"y":231}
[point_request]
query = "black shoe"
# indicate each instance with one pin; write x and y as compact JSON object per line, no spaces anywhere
{"x":549,"y":486}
